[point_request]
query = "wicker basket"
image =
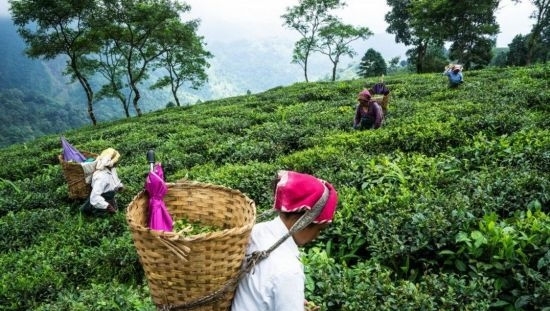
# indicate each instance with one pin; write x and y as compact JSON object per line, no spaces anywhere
{"x":74,"y":175}
{"x":382,"y":100}
{"x":183,"y":269}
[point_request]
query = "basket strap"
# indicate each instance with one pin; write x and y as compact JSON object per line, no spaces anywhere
{"x":216,"y":295}
{"x":251,"y":260}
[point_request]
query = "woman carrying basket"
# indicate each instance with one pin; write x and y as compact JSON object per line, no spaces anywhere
{"x":368,"y":113}
{"x":105,"y":184}
{"x":276,"y":280}
{"x":381,"y":89}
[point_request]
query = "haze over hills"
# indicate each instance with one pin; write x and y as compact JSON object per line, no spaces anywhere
{"x":237,"y":67}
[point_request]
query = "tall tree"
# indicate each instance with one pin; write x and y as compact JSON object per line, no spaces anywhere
{"x":470,"y":26}
{"x":185,"y":60}
{"x":54,"y":28}
{"x":410,"y":31}
{"x":517,"y":53}
{"x":138,"y":29}
{"x":372,"y":64}
{"x":307,"y":18}
{"x":335,"y":38}
{"x":435,"y":59}
{"x":541,"y":15}
{"x":110,"y":65}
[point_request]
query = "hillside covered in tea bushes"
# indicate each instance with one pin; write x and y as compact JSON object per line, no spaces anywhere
{"x":446,"y":207}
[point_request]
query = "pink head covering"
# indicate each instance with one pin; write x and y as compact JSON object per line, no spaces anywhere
{"x":297,"y":191}
{"x":364,"y":95}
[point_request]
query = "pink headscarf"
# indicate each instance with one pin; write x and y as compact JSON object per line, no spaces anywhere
{"x":364,"y":95}
{"x":297,"y":191}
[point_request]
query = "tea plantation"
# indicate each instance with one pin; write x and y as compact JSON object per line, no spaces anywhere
{"x":446,"y":207}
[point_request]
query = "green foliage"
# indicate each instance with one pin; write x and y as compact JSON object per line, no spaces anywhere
{"x":308,"y":17}
{"x":186,"y":227}
{"x":467,"y":25}
{"x":445,"y":207}
{"x":102,"y":297}
{"x":335,"y":39}
{"x":369,"y":285}
{"x":372,"y":64}
{"x":514,"y":252}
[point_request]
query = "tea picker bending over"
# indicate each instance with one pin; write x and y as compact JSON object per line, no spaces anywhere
{"x":105,"y":184}
{"x":368,"y":113}
{"x":276,"y":281}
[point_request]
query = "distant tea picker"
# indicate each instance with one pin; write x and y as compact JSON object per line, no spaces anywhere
{"x":454,"y":73}
{"x":92,"y":177}
{"x":105,"y":184}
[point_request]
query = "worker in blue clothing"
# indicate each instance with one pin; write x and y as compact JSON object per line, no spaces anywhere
{"x":454,"y":73}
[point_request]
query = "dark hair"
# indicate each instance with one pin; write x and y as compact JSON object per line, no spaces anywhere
{"x":274,"y":182}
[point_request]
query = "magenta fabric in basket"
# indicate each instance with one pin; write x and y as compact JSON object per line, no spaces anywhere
{"x":159,"y":218}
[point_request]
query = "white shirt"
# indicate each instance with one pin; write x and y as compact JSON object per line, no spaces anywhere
{"x":103,"y":181}
{"x":277,"y":282}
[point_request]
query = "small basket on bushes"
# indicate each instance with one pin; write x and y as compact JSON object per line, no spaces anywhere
{"x":75,"y":177}
{"x":382,"y":100}
{"x":195,"y":272}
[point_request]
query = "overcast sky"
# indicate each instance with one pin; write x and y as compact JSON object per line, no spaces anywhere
{"x":245,"y":19}
{"x":231,"y":20}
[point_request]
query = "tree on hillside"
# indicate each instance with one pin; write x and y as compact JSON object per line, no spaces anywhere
{"x":500,"y":57}
{"x":184,"y":61}
{"x":410,"y":32}
{"x":111,"y":66}
{"x":517,"y":51}
{"x":138,"y":30}
{"x":394,"y":64}
{"x":307,"y":18}
{"x":469,"y":26}
{"x":372,"y":64}
{"x":335,"y":38}
{"x":435,"y":58}
{"x":54,"y":28}
{"x":542,"y":23}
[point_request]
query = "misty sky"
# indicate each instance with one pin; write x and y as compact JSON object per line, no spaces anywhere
{"x":245,"y":19}
{"x":233,"y":20}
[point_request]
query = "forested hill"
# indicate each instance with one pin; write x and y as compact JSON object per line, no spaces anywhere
{"x":35,"y":98}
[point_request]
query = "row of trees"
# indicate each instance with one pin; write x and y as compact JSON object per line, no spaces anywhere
{"x":469,"y":26}
{"x":321,"y":32}
{"x":519,"y":52}
{"x":120,"y":41}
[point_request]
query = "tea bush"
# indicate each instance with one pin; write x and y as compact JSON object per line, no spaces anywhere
{"x":443,"y":208}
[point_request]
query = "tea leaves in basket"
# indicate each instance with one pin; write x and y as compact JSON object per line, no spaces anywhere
{"x":186,"y":227}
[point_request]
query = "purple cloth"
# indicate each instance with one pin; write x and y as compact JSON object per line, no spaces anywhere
{"x":374,"y":112}
{"x":70,"y":153}
{"x":159,"y":218}
{"x":380,"y":88}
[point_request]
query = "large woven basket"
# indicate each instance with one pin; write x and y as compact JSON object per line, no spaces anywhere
{"x":382,"y":100}
{"x":74,"y":175}
{"x":182,"y":270}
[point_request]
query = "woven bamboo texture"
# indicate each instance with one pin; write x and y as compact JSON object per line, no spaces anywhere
{"x":181,"y":269}
{"x":382,"y":100}
{"x":74,"y":175}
